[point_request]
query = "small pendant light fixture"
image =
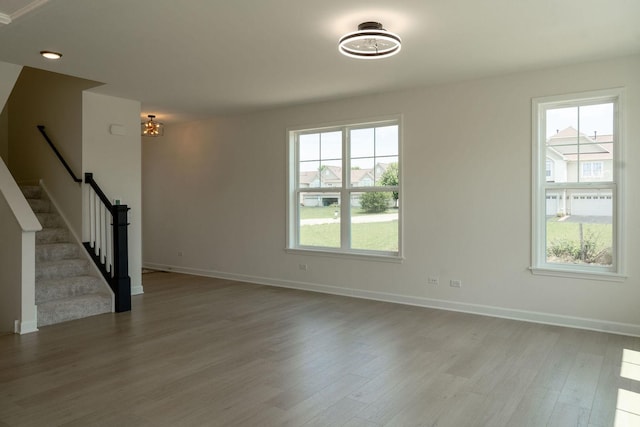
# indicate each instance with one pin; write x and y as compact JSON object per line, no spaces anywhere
{"x":151,"y":127}
{"x":370,"y":41}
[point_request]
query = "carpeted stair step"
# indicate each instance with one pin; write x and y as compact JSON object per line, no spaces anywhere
{"x":48,"y":270}
{"x":50,"y":220}
{"x":31,"y":191}
{"x":54,"y":289}
{"x":56,"y":251}
{"x":66,"y":288}
{"x":62,"y":310}
{"x":52,"y":235}
{"x":39,"y":205}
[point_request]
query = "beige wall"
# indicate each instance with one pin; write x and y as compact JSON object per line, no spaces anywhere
{"x":215,"y":190}
{"x":115,"y":163}
{"x":8,"y":75}
{"x":55,"y":101}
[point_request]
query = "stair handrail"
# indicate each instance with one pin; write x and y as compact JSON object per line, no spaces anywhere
{"x":55,"y":150}
{"x":115,"y":266}
{"x":118,"y":276}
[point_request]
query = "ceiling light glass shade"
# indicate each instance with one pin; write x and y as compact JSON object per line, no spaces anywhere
{"x":370,"y":41}
{"x":151,"y":127}
{"x":50,"y":55}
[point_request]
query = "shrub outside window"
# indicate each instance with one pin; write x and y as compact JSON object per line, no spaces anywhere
{"x":577,"y":185}
{"x":344,"y":189}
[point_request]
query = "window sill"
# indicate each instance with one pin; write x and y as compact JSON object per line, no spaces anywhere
{"x":578,"y":274}
{"x":347,"y":255}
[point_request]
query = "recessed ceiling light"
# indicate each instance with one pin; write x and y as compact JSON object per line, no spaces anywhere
{"x":50,"y":55}
{"x":370,"y":41}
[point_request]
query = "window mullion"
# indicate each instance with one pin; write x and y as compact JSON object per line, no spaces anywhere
{"x":345,"y":194}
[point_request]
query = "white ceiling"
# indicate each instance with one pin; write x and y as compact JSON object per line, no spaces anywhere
{"x":196,"y":58}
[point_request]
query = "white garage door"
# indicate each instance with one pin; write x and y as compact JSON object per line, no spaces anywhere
{"x":552,"y":204}
{"x":592,"y":204}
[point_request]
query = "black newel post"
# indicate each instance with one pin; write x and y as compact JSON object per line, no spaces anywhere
{"x":121,"y":279}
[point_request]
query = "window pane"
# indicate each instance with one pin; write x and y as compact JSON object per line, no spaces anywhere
{"x":362,"y":173}
{"x":374,"y":221}
{"x":375,"y":150}
{"x":319,"y":220}
{"x":362,"y":143}
{"x":577,"y":138}
{"x":387,"y":141}
{"x":596,"y":121}
{"x":579,"y":226}
{"x":386,"y":171}
{"x":363,"y":163}
{"x":331,"y":145}
{"x":562,"y":123}
{"x":597,"y":145}
{"x":309,"y":147}
{"x":330,"y":173}
{"x":308,"y":175}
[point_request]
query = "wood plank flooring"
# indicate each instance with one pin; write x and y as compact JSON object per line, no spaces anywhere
{"x":207,"y":352}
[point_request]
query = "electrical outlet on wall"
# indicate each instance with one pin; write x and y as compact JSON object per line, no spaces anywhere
{"x":455,"y":283}
{"x":433,"y":280}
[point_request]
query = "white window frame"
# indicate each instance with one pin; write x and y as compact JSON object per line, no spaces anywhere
{"x":539,"y":265}
{"x":293,"y":190}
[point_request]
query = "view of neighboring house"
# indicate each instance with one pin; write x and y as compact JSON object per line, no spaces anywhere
{"x":571,"y":157}
{"x":331,"y":176}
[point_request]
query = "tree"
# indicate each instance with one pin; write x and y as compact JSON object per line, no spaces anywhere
{"x":390,"y":177}
{"x":375,"y":201}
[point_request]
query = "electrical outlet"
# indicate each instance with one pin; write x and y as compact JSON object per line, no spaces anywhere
{"x":455,"y":283}
{"x":303,"y":267}
{"x":433,"y":281}
{"x":179,"y":253}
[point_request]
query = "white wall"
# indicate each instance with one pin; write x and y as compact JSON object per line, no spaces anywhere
{"x":55,"y":101}
{"x":215,"y":190}
{"x":115,"y":163}
{"x":18,"y":226}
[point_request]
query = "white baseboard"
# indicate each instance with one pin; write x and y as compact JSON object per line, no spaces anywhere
{"x":484,"y":310}
{"x":26,"y":327}
{"x":137,"y":290}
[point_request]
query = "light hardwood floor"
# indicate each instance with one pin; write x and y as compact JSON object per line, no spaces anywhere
{"x":206,"y":352}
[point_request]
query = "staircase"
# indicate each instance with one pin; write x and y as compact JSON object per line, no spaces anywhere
{"x":66,"y":286}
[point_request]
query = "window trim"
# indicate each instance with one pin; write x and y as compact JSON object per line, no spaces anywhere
{"x":539,"y":265}
{"x":292,"y":188}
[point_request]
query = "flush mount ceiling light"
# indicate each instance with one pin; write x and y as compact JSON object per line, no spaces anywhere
{"x":370,"y":41}
{"x":50,"y":55}
{"x":152,"y":128}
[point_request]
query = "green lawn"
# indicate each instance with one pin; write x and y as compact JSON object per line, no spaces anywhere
{"x":381,"y":236}
{"x":567,"y":234}
{"x":384,"y":235}
{"x":329,"y":212}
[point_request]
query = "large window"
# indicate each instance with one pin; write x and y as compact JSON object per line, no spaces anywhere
{"x":577,"y":184}
{"x":344,"y":189}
